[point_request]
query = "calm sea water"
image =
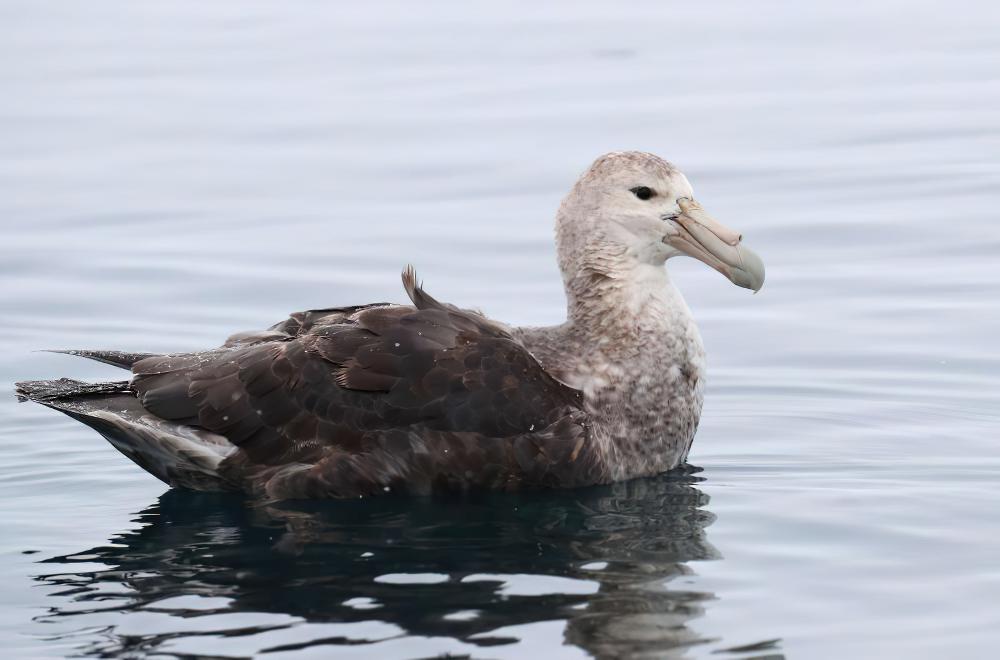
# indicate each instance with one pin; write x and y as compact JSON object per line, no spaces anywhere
{"x":173,"y":172}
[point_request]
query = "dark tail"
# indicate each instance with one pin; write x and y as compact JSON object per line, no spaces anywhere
{"x":50,"y":391}
{"x":178,"y":454}
{"x":114,"y":358}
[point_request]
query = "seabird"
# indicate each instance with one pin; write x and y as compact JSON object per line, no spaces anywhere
{"x":382,"y":398}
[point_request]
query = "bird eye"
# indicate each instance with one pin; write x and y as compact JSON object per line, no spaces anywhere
{"x":643,"y":193}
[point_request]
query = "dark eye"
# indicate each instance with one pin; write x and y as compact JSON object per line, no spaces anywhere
{"x":644,"y":193}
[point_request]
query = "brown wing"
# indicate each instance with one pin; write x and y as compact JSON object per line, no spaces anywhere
{"x":354,"y":401}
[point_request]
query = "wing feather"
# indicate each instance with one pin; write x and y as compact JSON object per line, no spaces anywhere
{"x":353,"y":400}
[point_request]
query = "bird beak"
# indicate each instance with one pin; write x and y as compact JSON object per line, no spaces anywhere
{"x":703,"y":237}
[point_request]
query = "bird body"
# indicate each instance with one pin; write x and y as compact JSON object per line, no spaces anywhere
{"x":365,"y":400}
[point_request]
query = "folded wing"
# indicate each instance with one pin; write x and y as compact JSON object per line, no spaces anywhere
{"x":354,"y":401}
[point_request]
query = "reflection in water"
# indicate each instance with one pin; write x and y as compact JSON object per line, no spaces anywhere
{"x":465,"y":573}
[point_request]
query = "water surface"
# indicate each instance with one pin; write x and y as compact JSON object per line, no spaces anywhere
{"x":171,"y":173}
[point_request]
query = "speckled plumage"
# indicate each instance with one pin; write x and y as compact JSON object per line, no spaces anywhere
{"x":629,"y":343}
{"x":359,"y":401}
{"x":641,"y":376}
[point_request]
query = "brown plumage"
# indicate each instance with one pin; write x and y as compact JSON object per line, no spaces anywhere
{"x":357,"y":401}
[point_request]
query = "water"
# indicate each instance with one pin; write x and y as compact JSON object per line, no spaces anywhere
{"x":174,"y":172}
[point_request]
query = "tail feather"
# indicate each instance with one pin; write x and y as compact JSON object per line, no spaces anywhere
{"x":121,"y":359}
{"x":45,"y":391}
{"x":177,"y":454}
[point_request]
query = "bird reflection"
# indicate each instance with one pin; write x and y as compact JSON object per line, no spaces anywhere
{"x":606,"y":560}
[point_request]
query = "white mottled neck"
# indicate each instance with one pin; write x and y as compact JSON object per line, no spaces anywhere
{"x":622,"y":303}
{"x":631,"y":346}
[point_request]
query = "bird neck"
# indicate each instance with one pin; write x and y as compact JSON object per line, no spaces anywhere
{"x":624,"y":302}
{"x":632,"y":347}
